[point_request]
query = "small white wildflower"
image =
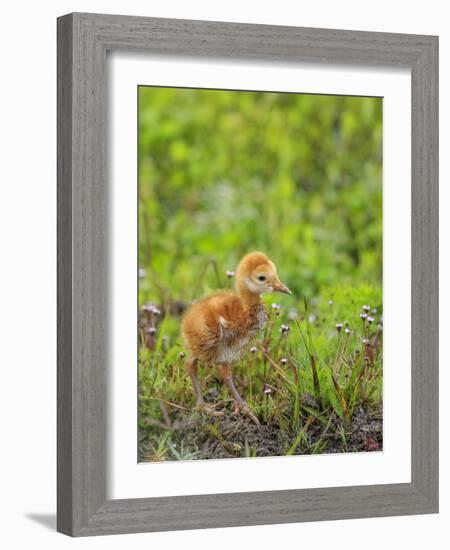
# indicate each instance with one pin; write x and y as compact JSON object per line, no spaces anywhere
{"x":182,"y":355}
{"x":330,"y":302}
{"x":142,"y":273}
{"x":276,"y":308}
{"x":229,"y":273}
{"x":151,"y":308}
{"x":253,"y":349}
{"x":283,"y":361}
{"x":312,"y":318}
{"x":365,"y":341}
{"x":366,"y":308}
{"x":370,"y":319}
{"x":347,"y":331}
{"x":363,"y":315}
{"x":339,"y":326}
{"x":267,"y":390}
{"x":284,"y":329}
{"x":150,"y":330}
{"x":374,"y":310}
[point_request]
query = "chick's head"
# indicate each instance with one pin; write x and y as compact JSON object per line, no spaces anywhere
{"x":257,"y":273}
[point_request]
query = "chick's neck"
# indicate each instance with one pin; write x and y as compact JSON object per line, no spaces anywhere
{"x":248,"y":297}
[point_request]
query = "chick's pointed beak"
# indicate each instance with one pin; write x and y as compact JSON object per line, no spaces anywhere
{"x":278,"y":286}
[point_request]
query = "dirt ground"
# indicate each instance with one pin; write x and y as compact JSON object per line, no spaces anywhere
{"x":234,"y":436}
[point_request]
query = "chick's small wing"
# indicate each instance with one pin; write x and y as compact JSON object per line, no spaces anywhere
{"x":230,"y":317}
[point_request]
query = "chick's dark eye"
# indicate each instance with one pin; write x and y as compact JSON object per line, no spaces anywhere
{"x":261,"y":278}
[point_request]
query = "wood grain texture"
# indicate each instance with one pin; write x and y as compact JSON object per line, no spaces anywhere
{"x":425,"y":272}
{"x":83,"y":41}
{"x":64,"y":252}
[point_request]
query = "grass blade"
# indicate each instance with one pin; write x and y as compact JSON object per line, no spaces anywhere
{"x":344,"y":405}
{"x":299,"y":437}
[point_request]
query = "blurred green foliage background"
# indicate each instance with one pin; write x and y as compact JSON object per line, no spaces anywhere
{"x":222,"y":173}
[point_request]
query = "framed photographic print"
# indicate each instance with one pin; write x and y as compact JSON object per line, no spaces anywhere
{"x":277,"y":174}
{"x":247,"y":274}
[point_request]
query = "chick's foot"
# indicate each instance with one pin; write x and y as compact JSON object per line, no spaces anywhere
{"x":208,"y":410}
{"x":243,"y":408}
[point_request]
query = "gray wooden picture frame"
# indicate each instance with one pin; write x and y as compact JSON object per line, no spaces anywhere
{"x":83,"y":42}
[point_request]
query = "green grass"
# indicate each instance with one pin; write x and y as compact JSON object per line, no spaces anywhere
{"x":311,"y":372}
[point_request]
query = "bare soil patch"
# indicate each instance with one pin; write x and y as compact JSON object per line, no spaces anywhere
{"x":233,"y":436}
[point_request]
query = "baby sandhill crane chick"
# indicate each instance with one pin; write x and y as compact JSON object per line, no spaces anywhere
{"x":218,"y":328}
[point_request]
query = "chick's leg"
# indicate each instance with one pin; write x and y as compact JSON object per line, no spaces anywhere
{"x":192,"y":368}
{"x":225,"y":372}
